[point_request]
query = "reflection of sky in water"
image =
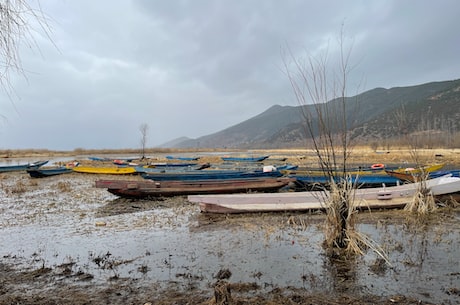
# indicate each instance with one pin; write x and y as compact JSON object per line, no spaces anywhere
{"x":175,"y":245}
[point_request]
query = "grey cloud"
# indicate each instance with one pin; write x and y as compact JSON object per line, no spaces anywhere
{"x":190,"y":68}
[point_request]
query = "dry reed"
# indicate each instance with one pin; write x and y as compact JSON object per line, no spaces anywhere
{"x":340,"y":210}
{"x":423,"y":201}
{"x":340,"y":222}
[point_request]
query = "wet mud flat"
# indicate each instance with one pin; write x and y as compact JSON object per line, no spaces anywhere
{"x":66,"y":242}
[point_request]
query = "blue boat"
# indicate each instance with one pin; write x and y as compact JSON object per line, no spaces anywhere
{"x":21,"y":167}
{"x":171,"y":164}
{"x":209,"y":174}
{"x":182,"y":158}
{"x":363,"y":181}
{"x":436,"y":174}
{"x":47,"y":172}
{"x":174,"y":168}
{"x":99,"y":159}
{"x":245,"y":159}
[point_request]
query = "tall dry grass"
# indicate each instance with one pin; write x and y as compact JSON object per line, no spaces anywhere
{"x":340,"y":227}
{"x":423,"y":201}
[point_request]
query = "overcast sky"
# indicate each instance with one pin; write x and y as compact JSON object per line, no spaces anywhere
{"x":192,"y":68}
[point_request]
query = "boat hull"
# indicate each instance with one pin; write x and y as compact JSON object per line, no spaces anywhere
{"x":105,"y":170}
{"x":21,"y":167}
{"x":210,"y":175}
{"x":370,"y":198}
{"x":147,"y":189}
{"x":47,"y":172}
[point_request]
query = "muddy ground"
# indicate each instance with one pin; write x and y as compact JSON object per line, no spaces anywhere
{"x":66,"y":242}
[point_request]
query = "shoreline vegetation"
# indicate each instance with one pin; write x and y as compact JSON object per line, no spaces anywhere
{"x":359,"y":155}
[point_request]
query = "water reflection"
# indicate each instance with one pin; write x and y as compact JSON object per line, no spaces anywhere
{"x":342,"y":272}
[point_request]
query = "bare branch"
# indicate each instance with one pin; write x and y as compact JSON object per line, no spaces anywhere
{"x":16,"y":24}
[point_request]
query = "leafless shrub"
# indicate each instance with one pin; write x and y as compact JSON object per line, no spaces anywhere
{"x":327,"y":121}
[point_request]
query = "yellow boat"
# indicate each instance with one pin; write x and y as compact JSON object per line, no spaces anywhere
{"x":319,"y":172}
{"x":105,"y":170}
{"x":414,"y":174}
{"x":417,"y":171}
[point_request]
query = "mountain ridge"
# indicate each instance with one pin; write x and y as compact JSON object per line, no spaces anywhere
{"x":435,"y":105}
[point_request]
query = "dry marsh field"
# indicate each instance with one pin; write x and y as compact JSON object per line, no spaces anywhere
{"x":66,"y":242}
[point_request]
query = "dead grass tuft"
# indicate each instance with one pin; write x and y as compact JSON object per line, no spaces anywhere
{"x":64,"y":186}
{"x":340,"y":223}
{"x":340,"y":211}
{"x":19,"y":188}
{"x":423,"y":201}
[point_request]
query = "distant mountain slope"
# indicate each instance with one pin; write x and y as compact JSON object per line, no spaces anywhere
{"x":175,"y":142}
{"x":372,"y":115}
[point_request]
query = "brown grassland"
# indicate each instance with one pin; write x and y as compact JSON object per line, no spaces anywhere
{"x":360,"y":155}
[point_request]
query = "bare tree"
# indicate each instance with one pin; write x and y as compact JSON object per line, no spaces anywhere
{"x":17,"y":19}
{"x":144,"y":128}
{"x":322,"y":97}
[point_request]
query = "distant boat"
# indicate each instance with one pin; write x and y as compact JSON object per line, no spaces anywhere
{"x":170,"y":169}
{"x":105,"y":170}
{"x":47,"y":172}
{"x":369,"y":198}
{"x":149,"y":188}
{"x":99,"y":159}
{"x":182,"y":158}
{"x":21,"y":167}
{"x":245,"y":159}
{"x":171,"y":164}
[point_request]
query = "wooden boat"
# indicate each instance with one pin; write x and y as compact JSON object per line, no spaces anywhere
{"x":419,"y":170}
{"x":121,"y":162}
{"x":170,"y":169}
{"x":361,"y":171}
{"x":244,"y":159}
{"x":47,"y":172}
{"x":361,"y":181}
{"x":172,"y":164}
{"x":116,"y":160}
{"x":103,"y":159}
{"x":414,"y":174}
{"x":105,"y":170}
{"x":209,"y":174}
{"x":150,"y":188}
{"x":370,"y":198}
{"x":21,"y":167}
{"x":452,"y":172}
{"x":182,"y":158}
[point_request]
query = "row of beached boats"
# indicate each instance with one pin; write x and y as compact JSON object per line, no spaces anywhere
{"x":365,"y":198}
{"x":22,"y":167}
{"x":257,"y":189}
{"x":232,"y":191}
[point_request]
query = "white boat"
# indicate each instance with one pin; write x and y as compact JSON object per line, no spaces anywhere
{"x":368,"y":198}
{"x":443,"y":185}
